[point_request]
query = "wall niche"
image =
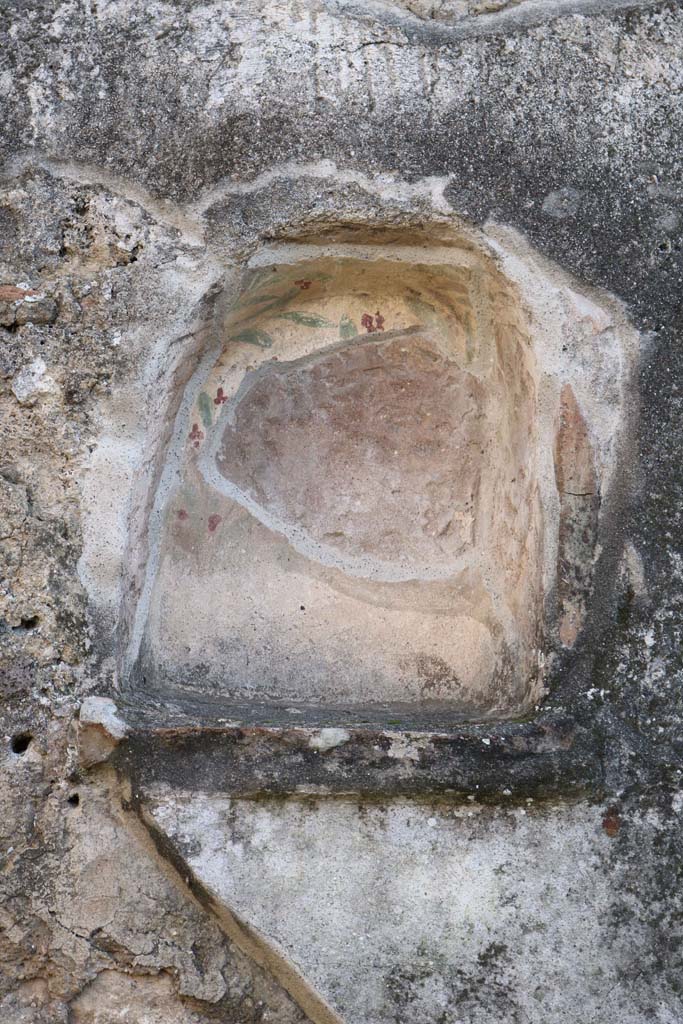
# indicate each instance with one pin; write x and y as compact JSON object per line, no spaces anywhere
{"x":385,"y":482}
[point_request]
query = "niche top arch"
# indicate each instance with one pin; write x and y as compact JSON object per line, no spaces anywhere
{"x":370,"y":487}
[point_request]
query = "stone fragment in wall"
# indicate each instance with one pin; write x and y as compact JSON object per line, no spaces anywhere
{"x":115,"y":996}
{"x":446,"y":11}
{"x":20,"y":305}
{"x":100,"y":730}
{"x":578,"y":489}
{"x":328,"y":738}
{"x":14,"y":505}
{"x":40,"y":311}
{"x":32,"y":381}
{"x":449,"y":12}
{"x":490,"y":6}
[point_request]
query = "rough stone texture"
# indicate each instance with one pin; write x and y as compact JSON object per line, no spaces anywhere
{"x":92,"y":925}
{"x":143,"y":148}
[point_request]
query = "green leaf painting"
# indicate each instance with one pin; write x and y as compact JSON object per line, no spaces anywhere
{"x":306,"y":319}
{"x":258,"y":277}
{"x":205,"y":410}
{"x":267,"y":303}
{"x":256,"y":300}
{"x":280,"y":301}
{"x":253,"y":336}
{"x":347,"y":329}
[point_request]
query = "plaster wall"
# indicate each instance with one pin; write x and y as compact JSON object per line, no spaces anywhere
{"x":150,"y":157}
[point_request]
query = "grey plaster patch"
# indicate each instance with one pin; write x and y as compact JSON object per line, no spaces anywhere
{"x":329,"y":738}
{"x":563,"y":203}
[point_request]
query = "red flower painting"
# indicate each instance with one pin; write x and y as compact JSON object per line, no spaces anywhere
{"x":196,"y":435}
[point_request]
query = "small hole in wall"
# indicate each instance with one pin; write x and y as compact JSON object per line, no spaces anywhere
{"x":30,"y":622}
{"x":21,"y":742}
{"x":74,"y":800}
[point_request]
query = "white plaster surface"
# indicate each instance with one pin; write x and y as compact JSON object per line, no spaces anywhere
{"x":413,"y":913}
